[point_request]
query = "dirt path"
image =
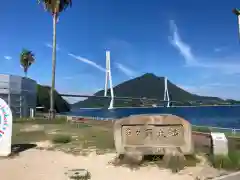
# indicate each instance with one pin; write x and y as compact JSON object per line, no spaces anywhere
{"x":45,"y":165}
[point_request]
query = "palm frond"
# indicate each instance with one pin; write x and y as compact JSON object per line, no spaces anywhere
{"x":236,"y":11}
{"x":55,"y":6}
{"x":27,"y":58}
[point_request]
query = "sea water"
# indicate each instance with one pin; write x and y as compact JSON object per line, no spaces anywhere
{"x":220,"y":116}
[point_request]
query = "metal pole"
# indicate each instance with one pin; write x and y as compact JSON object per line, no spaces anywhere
{"x":20,"y":104}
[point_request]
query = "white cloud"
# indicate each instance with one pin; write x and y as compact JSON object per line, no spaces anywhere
{"x":87,"y":61}
{"x":7,"y":57}
{"x":50,"y":46}
{"x":125,"y":70}
{"x":227,"y":66}
{"x":182,"y":47}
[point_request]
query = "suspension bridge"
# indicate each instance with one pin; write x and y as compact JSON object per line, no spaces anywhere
{"x":108,"y":81}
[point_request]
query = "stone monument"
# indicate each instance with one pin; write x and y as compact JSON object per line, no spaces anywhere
{"x":153,"y":134}
{"x":5,"y":129}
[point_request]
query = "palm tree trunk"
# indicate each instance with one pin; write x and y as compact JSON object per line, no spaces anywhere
{"x":52,"y":110}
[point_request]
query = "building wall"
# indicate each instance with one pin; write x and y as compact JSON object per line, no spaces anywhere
{"x":29,"y":95}
{"x":20,"y":93}
{"x":4,"y":84}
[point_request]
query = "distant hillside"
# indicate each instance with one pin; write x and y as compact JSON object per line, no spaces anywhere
{"x":43,"y":99}
{"x":147,"y":85}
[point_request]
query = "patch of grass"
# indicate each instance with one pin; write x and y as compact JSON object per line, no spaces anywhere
{"x":84,"y":135}
{"x":58,"y":120}
{"x":222,"y":162}
{"x":191,"y":160}
{"x":229,"y":162}
{"x":81,"y":125}
{"x":61,"y":139}
{"x":227,"y":132}
{"x":99,"y":138}
{"x":201,"y":129}
{"x":235,"y":158}
{"x":26,"y":137}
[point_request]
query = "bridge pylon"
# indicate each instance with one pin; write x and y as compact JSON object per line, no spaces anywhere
{"x":109,"y":78}
{"x":166,"y":94}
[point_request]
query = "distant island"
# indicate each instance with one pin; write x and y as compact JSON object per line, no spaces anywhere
{"x":149,"y":86}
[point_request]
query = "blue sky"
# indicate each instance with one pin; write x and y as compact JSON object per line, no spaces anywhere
{"x":194,"y":43}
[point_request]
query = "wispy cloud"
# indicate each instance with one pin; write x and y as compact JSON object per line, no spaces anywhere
{"x":191,"y":60}
{"x":50,"y":46}
{"x":220,"y":49}
{"x":127,"y":71}
{"x":217,"y":49}
{"x":87,"y":61}
{"x":182,"y":47}
{"x":7,"y":57}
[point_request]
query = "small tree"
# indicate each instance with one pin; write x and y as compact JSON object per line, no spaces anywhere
{"x":26,"y":60}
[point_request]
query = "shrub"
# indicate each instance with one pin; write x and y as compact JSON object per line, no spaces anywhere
{"x":235,"y":158}
{"x":222,"y":162}
{"x":62,"y":139}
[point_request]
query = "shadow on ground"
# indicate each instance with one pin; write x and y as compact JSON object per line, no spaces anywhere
{"x":18,"y":148}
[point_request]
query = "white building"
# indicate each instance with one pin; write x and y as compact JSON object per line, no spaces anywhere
{"x":20,"y":93}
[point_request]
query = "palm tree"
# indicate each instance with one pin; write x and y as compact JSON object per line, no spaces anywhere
{"x":55,"y":7}
{"x":26,"y":60}
{"x":237,"y":13}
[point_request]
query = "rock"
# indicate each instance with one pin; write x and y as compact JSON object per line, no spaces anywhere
{"x":174,"y":159}
{"x":133,"y":157}
{"x":78,"y":174}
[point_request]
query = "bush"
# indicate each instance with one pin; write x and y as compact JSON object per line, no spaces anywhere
{"x":62,"y":139}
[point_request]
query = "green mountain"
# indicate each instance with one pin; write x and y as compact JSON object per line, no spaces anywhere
{"x":43,"y":99}
{"x":149,"y":86}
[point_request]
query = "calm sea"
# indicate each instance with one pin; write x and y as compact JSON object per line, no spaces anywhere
{"x":220,"y":116}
